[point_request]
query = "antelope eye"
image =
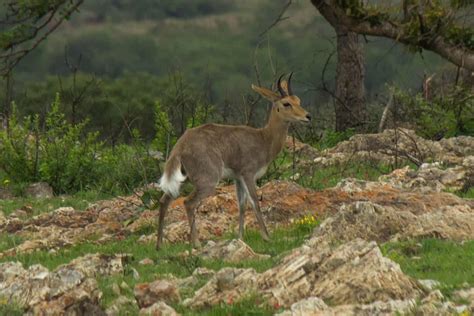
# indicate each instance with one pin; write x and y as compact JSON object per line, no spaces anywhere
{"x":286,"y":105}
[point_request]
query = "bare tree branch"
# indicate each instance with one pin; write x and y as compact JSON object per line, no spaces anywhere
{"x":278,"y":19}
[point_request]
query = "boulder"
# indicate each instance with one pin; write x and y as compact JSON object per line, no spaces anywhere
{"x":226,"y":286}
{"x":69,"y":289}
{"x":372,"y":221}
{"x":308,"y":306}
{"x":354,"y":272}
{"x":466,"y":295}
{"x":396,"y":146}
{"x":432,"y":177}
{"x":119,"y":304}
{"x":316,"y":306}
{"x":234,"y":250}
{"x":159,"y":309}
{"x":39,"y":190}
{"x":147,"y":294}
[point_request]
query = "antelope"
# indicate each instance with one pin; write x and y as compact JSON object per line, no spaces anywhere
{"x":208,"y":153}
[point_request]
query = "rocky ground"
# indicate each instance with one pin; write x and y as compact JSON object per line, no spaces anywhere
{"x":339,"y":270}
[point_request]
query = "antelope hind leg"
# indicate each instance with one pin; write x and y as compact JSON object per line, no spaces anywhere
{"x":164,"y":203}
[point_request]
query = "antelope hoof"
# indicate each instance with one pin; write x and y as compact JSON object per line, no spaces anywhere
{"x":158,"y":242}
{"x":196,"y":244}
{"x":265,"y":236}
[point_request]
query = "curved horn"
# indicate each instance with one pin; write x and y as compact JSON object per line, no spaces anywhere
{"x":290,"y":92}
{"x":280,"y":89}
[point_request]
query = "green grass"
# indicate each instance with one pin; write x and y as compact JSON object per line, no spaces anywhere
{"x":78,"y":201}
{"x":10,"y":309}
{"x":469,"y":194}
{"x":8,"y":241}
{"x":323,"y":178}
{"x":446,"y":261}
{"x":168,"y":261}
{"x":320,"y":178}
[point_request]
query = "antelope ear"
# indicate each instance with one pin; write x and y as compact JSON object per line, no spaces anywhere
{"x":284,"y":85}
{"x":266,"y":93}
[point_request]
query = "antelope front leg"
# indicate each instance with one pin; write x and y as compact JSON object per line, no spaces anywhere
{"x":242,"y":198}
{"x":252,"y":192}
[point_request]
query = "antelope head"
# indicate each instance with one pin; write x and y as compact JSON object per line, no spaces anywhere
{"x":286,"y":105}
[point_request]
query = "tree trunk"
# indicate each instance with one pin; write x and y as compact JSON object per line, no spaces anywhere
{"x":7,"y":105}
{"x":350,"y":88}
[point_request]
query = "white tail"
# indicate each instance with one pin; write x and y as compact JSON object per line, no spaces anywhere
{"x":170,"y":183}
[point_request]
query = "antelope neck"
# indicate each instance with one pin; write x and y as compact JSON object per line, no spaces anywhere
{"x":274,"y":133}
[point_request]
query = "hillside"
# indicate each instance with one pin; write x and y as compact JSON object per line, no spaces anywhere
{"x":219,"y":47}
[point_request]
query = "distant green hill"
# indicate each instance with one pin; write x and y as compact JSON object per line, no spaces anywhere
{"x":215,"y":45}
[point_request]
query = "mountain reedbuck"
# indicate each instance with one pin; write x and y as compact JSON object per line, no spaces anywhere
{"x":211,"y":152}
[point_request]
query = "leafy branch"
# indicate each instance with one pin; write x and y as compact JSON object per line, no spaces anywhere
{"x":430,"y":25}
{"x":27,"y":23}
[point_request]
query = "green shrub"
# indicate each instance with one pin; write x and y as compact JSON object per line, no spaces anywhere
{"x":165,"y":136}
{"x":448,"y":115}
{"x":68,"y":154}
{"x":70,"y":159}
{"x":18,"y":151}
{"x":125,"y":167}
{"x":331,"y":138}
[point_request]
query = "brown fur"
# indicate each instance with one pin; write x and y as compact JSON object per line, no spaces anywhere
{"x":207,"y":152}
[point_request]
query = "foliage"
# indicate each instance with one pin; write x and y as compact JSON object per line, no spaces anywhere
{"x":114,"y":107}
{"x":67,"y":155}
{"x":27,"y":23}
{"x":165,"y":137}
{"x":71,"y":159}
{"x":184,"y":104}
{"x":123,"y":10}
{"x":6,"y":308}
{"x":441,"y":116}
{"x":124,"y":167}
{"x":213,"y":53}
{"x":319,"y":177}
{"x":331,"y":138}
{"x":420,"y":21}
{"x":17,"y":150}
{"x":468,"y":194}
{"x":180,"y":107}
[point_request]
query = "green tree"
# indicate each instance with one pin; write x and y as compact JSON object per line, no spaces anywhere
{"x":434,"y":25}
{"x":165,"y":136}
{"x":26,"y":23}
